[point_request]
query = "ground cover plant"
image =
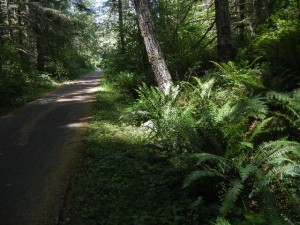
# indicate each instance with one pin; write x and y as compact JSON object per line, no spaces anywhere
{"x":216,"y":99}
{"x":150,"y":160}
{"x":231,"y":132}
{"x":122,"y":180}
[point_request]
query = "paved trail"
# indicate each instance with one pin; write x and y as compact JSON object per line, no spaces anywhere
{"x":39,"y":146}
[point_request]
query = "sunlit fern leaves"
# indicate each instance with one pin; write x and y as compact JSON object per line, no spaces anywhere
{"x":221,"y":221}
{"x":253,"y":107}
{"x":279,"y":162}
{"x":152,"y":98}
{"x":234,"y":75}
{"x":173,"y":124}
{"x":287,"y":105}
{"x":275,"y":152}
{"x":204,"y":88}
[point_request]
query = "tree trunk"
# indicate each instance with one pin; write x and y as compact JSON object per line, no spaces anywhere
{"x":7,"y":3}
{"x":242,"y":9}
{"x":29,"y":34}
{"x":39,"y":41}
{"x":1,"y":36}
{"x":225,"y":47}
{"x":256,"y":16}
{"x":154,"y":52}
{"x":298,"y":7}
{"x":121,"y":26}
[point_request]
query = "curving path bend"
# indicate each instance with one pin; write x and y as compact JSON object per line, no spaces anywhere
{"x":39,"y":146}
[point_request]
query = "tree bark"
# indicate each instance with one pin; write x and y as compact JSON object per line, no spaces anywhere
{"x":242,"y":8}
{"x":154,"y":52}
{"x":1,"y":36}
{"x":30,"y":39}
{"x":256,"y":19}
{"x":40,"y":42}
{"x":7,"y":3}
{"x":121,"y":26}
{"x":225,"y":47}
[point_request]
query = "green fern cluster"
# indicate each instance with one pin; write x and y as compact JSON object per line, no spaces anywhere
{"x":228,"y":130}
{"x":280,"y":50}
{"x":172,"y":126}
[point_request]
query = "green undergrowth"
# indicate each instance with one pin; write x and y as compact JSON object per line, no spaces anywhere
{"x":122,"y":181}
{"x":28,"y":93}
{"x":14,"y":94}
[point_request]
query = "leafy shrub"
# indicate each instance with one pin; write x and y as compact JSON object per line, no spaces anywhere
{"x":128,"y":82}
{"x":57,"y":70}
{"x":13,"y":82}
{"x":281,"y":50}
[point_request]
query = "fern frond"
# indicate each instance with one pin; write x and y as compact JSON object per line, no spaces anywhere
{"x":175,"y":90}
{"x":269,"y":151}
{"x":199,"y":174}
{"x":231,"y":197}
{"x":223,"y":112}
{"x":246,"y":145}
{"x":203,"y":157}
{"x":235,"y":75}
{"x":296,"y":95}
{"x":289,"y":102}
{"x":279,"y":97}
{"x":281,"y":160}
{"x":271,"y":211}
{"x":290,"y":170}
{"x":245,"y":172}
{"x":205,"y":88}
{"x":255,"y":107}
{"x":259,"y":129}
{"x":221,"y":221}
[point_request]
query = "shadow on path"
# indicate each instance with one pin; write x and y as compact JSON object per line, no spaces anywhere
{"x":39,"y":146}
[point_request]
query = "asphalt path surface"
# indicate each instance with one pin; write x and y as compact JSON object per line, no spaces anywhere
{"x":39,"y":148}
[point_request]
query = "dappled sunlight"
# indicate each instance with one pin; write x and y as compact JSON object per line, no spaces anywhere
{"x":76,"y":125}
{"x":85,"y":92}
{"x":76,"y":99}
{"x":81,"y":123}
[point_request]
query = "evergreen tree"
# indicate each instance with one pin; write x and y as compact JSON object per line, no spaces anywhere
{"x":155,"y":55}
{"x":224,"y":37}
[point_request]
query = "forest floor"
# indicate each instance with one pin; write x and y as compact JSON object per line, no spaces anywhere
{"x":39,"y":150}
{"x":121,"y":180}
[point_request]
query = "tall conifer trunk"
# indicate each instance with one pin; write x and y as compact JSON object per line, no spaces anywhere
{"x":154,"y":52}
{"x":30,"y":39}
{"x":40,"y":48}
{"x":1,"y":37}
{"x":121,"y":26}
{"x":225,"y":47}
{"x":7,"y":3}
{"x":242,"y":7}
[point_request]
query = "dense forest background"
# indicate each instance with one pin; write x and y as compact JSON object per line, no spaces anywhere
{"x":213,"y":85}
{"x":42,"y":43}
